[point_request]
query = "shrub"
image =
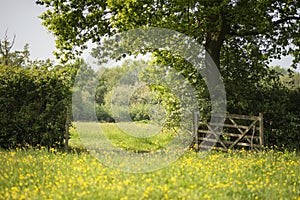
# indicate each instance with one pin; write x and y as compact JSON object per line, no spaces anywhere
{"x":33,"y":104}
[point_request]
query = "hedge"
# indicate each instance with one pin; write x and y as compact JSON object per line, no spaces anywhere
{"x":33,"y":105}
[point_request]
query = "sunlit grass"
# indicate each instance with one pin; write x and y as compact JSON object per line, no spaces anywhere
{"x":128,"y":136}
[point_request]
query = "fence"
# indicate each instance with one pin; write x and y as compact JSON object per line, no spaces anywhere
{"x":238,"y":131}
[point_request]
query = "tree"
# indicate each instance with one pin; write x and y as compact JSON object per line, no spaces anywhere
{"x":230,"y":30}
{"x":118,"y":83}
{"x":241,"y":36}
{"x":288,"y":78}
{"x":13,"y":58}
{"x":272,"y":25}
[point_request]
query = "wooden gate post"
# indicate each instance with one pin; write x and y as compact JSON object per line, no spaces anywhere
{"x":196,"y":125}
{"x":67,"y":126}
{"x":261,"y":129}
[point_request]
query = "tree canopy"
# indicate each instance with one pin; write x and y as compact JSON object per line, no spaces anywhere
{"x":270,"y":27}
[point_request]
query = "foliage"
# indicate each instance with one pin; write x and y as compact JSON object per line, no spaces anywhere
{"x":281,"y":108}
{"x":35,"y":98}
{"x":33,"y":103}
{"x":115,"y":85}
{"x":289,"y":78}
{"x":240,"y":36}
{"x":265,"y":94}
{"x":103,"y":113}
{"x":272,"y":25}
{"x":83,"y":89}
{"x":13,"y":58}
{"x":41,"y":174}
{"x":139,"y":112}
{"x":109,"y":79}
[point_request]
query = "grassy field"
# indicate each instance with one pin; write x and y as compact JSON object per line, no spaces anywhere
{"x":43,"y":174}
{"x":120,"y":135}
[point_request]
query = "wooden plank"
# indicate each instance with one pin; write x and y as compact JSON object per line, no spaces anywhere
{"x":251,"y":137}
{"x":242,"y":144}
{"x":235,"y":116}
{"x":205,"y":131}
{"x":237,"y":135}
{"x":208,"y":139}
{"x":239,"y":126}
{"x":229,"y":142}
{"x":230,"y":134}
{"x":236,"y":126}
{"x":222,"y":149}
{"x":226,"y":125}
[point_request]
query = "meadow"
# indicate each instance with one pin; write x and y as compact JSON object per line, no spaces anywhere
{"x":39,"y":173}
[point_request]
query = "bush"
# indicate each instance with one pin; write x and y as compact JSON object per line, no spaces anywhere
{"x":282,"y":120}
{"x":33,"y":104}
{"x":103,"y":114}
{"x":139,"y":112}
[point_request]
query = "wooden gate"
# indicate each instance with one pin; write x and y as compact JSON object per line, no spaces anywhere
{"x":239,"y":131}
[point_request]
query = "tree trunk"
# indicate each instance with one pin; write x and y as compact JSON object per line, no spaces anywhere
{"x":216,"y":36}
{"x":213,"y":49}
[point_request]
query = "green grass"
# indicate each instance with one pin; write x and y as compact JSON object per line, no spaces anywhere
{"x":120,"y":136}
{"x":43,"y":174}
